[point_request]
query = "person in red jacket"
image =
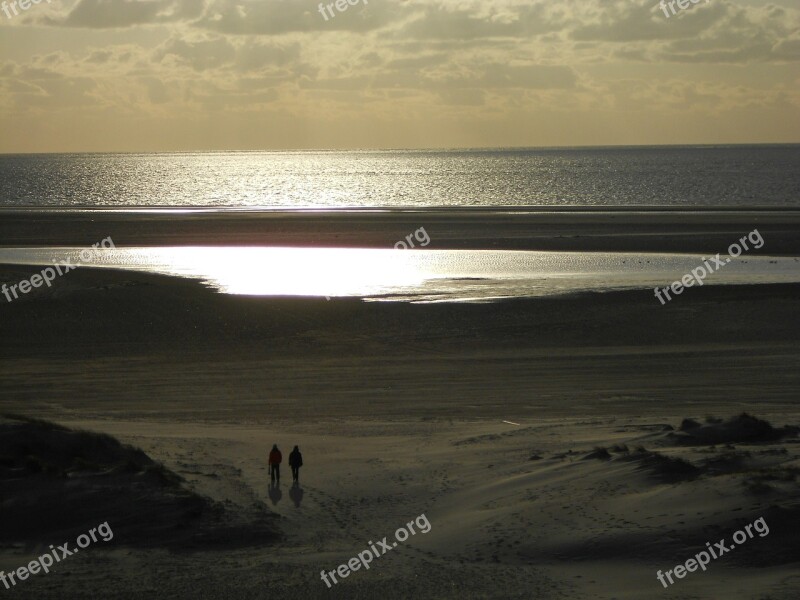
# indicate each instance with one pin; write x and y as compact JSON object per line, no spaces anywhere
{"x":275,"y":458}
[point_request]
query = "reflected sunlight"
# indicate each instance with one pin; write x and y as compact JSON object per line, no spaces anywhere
{"x":291,"y":271}
{"x":412,"y":275}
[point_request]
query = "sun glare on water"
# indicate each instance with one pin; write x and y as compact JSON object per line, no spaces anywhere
{"x":291,"y":271}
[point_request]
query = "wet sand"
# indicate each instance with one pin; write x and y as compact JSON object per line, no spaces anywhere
{"x":585,"y":229}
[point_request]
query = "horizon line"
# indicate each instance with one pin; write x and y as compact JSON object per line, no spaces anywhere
{"x":410,"y":149}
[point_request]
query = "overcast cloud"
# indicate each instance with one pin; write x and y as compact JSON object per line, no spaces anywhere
{"x":224,"y":74}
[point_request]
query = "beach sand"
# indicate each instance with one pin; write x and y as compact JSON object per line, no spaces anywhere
{"x":399,"y":410}
{"x":502,"y":525}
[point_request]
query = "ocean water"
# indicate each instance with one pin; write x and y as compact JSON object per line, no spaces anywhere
{"x":733,"y":177}
{"x":692,"y":176}
{"x":412,"y":276}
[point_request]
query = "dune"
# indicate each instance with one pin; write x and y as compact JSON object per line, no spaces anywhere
{"x":607,"y":504}
{"x":58,"y":480}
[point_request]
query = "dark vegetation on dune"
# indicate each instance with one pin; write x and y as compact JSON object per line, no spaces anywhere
{"x":664,"y":468}
{"x":598,"y":453}
{"x":763,"y":470}
{"x":56,"y":481}
{"x":743,"y":428}
{"x":668,"y":469}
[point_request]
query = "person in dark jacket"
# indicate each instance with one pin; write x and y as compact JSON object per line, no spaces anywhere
{"x":275,"y":458}
{"x":295,"y":462}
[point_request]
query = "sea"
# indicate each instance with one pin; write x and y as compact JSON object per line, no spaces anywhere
{"x":686,"y":178}
{"x":676,"y":176}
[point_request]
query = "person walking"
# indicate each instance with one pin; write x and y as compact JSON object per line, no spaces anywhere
{"x":275,"y":458}
{"x":295,"y":462}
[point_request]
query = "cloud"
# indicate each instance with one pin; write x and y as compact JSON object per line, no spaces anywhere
{"x":463,"y":97}
{"x":103,"y":14}
{"x":713,"y":32}
{"x":542,"y":64}
{"x":200,"y":55}
{"x":443,"y":21}
{"x":256,"y":56}
{"x":275,"y":17}
{"x":626,"y":22}
{"x":156,"y":90}
{"x":41,"y":88}
{"x":528,"y":76}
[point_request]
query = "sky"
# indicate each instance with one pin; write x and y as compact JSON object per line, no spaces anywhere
{"x":196,"y":75}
